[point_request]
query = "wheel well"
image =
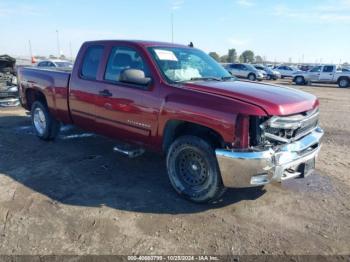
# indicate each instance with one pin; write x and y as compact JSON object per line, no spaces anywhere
{"x":343,"y":77}
{"x":177,"y":128}
{"x":295,"y":78}
{"x":34,"y":95}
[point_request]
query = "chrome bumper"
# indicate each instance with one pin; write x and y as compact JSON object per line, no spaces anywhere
{"x":254,"y":168}
{"x":7,"y":102}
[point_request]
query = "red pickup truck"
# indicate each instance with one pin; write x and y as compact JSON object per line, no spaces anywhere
{"x":215,"y":131}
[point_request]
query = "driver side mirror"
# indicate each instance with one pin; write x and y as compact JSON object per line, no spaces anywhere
{"x":134,"y":76}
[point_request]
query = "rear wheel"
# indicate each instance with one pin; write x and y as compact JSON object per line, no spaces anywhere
{"x":193,"y":169}
{"x":46,"y":127}
{"x":343,"y":82}
{"x":252,"y":77}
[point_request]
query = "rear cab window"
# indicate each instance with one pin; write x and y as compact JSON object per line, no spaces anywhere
{"x":91,"y":62}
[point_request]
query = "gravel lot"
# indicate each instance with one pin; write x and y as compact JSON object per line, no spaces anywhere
{"x":75,"y":196}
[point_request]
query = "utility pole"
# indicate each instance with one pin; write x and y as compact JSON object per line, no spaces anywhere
{"x":70,"y":49}
{"x":172,"y":27}
{"x":30,"y":50}
{"x":58,"y":44}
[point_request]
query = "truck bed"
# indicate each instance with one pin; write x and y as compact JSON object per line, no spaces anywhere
{"x":53,"y":83}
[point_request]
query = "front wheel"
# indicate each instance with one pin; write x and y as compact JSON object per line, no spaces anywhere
{"x":299,"y":80}
{"x":251,"y":77}
{"x":46,"y":127}
{"x":193,"y":169}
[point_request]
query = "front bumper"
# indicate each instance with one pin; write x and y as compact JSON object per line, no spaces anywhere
{"x":255,"y":168}
{"x":260,"y":77}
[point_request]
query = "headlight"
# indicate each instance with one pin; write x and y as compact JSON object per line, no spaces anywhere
{"x":12,"y":89}
{"x":14,"y":80}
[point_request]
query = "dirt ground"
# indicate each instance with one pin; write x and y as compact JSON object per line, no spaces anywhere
{"x":75,"y":196}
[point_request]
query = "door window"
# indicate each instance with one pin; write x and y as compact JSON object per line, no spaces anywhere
{"x":316,"y":69}
{"x":122,"y":58}
{"x":243,"y":67}
{"x":91,"y":62}
{"x":328,"y":69}
{"x":42,"y":64}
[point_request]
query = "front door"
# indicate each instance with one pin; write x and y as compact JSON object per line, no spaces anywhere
{"x":314,"y":73}
{"x":126,"y":111}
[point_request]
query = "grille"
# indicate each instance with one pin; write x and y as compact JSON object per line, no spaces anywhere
{"x":7,"y":94}
{"x":306,"y":127}
{"x":290,"y":128}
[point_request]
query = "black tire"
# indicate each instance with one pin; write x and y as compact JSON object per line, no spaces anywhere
{"x":252,"y":77}
{"x":299,"y":80}
{"x":50,"y":126}
{"x":343,"y":82}
{"x":193,"y":170}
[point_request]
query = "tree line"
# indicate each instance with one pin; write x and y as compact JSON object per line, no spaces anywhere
{"x":247,"y":56}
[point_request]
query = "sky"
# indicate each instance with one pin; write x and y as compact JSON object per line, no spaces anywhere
{"x":294,"y":30}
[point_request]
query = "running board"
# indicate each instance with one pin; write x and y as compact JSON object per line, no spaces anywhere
{"x":129,"y":151}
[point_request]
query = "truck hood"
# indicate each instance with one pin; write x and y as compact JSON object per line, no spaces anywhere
{"x":273,"y":99}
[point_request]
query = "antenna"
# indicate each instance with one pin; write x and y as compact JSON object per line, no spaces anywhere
{"x":30,"y":49}
{"x":70,"y":49}
{"x":172,"y":27}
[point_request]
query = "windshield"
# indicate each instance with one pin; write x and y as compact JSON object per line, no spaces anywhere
{"x":179,"y":64}
{"x":268,"y":70}
{"x":64,"y":64}
{"x":250,"y":67}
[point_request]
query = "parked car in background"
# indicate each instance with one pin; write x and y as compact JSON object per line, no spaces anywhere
{"x":323,"y":74}
{"x":270,"y":73}
{"x":214,"y":131}
{"x":305,"y":67}
{"x":344,"y":69}
{"x":55,"y":63}
{"x":286,"y":71}
{"x":8,"y":82}
{"x":246,"y":71}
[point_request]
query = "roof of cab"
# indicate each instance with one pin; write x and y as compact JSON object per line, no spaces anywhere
{"x":142,"y":43}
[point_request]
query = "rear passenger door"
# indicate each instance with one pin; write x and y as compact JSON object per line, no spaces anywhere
{"x":84,"y":88}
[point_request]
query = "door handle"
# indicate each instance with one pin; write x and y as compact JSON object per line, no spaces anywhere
{"x":105,"y":93}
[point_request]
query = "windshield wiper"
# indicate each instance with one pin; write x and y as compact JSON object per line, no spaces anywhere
{"x":206,"y":78}
{"x":225,"y":78}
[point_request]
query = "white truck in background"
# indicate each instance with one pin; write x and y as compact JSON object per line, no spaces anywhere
{"x":323,"y":74}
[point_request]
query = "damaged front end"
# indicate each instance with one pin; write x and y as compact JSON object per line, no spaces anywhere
{"x":281,"y":147}
{"x":8,"y":82}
